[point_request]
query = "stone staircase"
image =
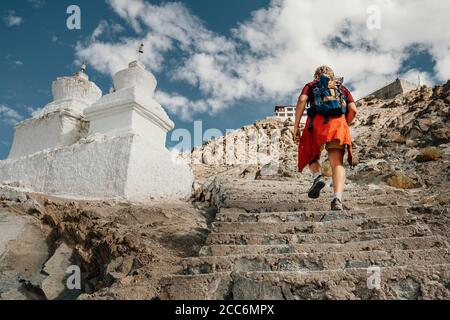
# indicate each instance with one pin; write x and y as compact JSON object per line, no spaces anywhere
{"x":269,"y":241}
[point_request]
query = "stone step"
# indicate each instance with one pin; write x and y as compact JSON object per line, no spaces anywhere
{"x":314,"y":261}
{"x":295,"y":184}
{"x":307,"y":227}
{"x":282,"y":195}
{"x":322,"y":204}
{"x":285,"y":195}
{"x":415,"y":230}
{"x":414,"y":243}
{"x":400,"y":282}
{"x":236,"y":215}
{"x":295,"y":188}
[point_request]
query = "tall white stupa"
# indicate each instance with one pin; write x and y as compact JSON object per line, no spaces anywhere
{"x":90,"y":146}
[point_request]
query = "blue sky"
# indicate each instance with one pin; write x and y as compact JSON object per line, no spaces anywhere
{"x":228,"y":62}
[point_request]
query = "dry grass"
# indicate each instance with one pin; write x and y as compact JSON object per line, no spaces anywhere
{"x":401,"y":181}
{"x":429,"y":154}
{"x":443,"y":199}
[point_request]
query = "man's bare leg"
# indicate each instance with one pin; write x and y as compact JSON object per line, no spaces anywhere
{"x":318,"y":184}
{"x":336,"y":158}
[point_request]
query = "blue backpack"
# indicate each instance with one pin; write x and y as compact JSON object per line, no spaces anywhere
{"x":329,"y":100}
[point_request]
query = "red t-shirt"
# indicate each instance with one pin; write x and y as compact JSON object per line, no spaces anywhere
{"x":308,"y":90}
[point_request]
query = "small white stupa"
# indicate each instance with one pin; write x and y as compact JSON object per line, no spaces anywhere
{"x":61,"y":122}
{"x":87,"y":146}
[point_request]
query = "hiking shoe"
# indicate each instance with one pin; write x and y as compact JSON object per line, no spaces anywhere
{"x":318,"y":185}
{"x":336,"y":205}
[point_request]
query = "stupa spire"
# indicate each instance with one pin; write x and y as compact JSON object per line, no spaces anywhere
{"x":83,"y":67}
{"x":140,"y":51}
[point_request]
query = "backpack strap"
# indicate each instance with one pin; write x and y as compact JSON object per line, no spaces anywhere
{"x":317,"y":96}
{"x":317,"y":92}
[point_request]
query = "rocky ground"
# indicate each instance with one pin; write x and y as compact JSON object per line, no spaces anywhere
{"x":123,"y":249}
{"x":248,"y":200}
{"x":404,"y":142}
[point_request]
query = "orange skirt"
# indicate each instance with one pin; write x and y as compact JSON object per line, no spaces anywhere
{"x":309,"y":148}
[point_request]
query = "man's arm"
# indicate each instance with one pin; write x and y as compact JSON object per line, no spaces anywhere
{"x":301,"y":104}
{"x":351,"y":114}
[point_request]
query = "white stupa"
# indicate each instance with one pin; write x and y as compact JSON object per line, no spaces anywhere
{"x":61,"y":122}
{"x":87,"y":146}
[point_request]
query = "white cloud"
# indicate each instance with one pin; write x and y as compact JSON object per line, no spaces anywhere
{"x":9,"y":115}
{"x":37,"y":3}
{"x":18,"y":63}
{"x":168,"y":27}
{"x":413,"y":75}
{"x":180,"y":105}
{"x":55,"y":39}
{"x":99,"y":30}
{"x":12,"y":20}
{"x":34,"y":111}
{"x":105,"y":27}
{"x":272,"y":54}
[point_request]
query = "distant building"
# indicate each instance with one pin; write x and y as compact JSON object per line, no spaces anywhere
{"x":285,"y":112}
{"x":288,"y":112}
{"x":399,"y":86}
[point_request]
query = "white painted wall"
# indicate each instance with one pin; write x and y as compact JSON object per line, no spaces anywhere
{"x":154,"y":173}
{"x":100,"y":167}
{"x":91,"y":168}
{"x":57,"y":129}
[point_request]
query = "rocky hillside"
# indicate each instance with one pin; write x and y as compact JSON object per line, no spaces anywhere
{"x":264,"y":149}
{"x":404,"y":142}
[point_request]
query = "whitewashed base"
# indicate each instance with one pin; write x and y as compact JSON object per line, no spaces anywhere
{"x":101,"y":167}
